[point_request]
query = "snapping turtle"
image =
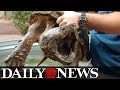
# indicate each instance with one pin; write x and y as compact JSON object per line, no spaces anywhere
{"x":59,"y":44}
{"x":62,"y":45}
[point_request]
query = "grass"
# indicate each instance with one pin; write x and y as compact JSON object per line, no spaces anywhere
{"x":48,"y":62}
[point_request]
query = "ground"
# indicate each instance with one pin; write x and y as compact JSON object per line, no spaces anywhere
{"x":8,"y":31}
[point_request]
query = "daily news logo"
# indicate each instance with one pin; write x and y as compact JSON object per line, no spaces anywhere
{"x":48,"y":73}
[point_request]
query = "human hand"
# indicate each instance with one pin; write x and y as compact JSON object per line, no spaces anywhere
{"x":69,"y":17}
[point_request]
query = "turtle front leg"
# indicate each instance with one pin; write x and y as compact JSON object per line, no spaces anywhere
{"x":18,"y":56}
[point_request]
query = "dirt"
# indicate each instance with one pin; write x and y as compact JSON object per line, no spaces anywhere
{"x":8,"y":28}
{"x":8,"y":31}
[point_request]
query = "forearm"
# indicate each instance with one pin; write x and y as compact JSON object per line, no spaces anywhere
{"x":108,"y":23}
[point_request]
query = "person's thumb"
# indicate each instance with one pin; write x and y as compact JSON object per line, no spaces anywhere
{"x":59,"y":20}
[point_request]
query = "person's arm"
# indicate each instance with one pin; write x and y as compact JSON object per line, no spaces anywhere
{"x":108,"y":23}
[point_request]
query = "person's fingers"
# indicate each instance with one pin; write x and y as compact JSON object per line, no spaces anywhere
{"x":59,"y":20}
{"x":63,"y":22}
{"x":62,"y":25}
